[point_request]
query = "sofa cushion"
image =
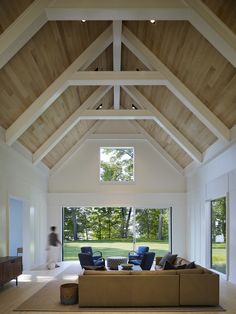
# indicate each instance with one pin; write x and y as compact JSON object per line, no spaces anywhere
{"x":168,"y":265}
{"x":152,"y":273}
{"x":106,"y":273}
{"x":168,"y":257}
{"x":191,"y":265}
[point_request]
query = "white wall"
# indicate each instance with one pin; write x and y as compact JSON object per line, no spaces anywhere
{"x":15,"y":226}
{"x":214,"y":179}
{"x":156,"y":184}
{"x":21,"y":180}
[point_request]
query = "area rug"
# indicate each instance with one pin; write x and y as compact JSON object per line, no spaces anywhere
{"x":47,"y":299}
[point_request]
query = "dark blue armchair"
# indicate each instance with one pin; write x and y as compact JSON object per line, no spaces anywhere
{"x":137,"y":255}
{"x":87,"y":260}
{"x":88,"y":249}
{"x":146,"y":262}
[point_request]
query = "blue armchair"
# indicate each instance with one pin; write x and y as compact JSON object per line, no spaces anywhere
{"x":146,"y":262}
{"x":88,"y":249}
{"x":137,"y":255}
{"x":87,"y":260}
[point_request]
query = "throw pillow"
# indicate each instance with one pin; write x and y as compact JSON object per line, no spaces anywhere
{"x":168,"y":257}
{"x":191,"y":265}
{"x":168,"y":265}
{"x":181,"y":266}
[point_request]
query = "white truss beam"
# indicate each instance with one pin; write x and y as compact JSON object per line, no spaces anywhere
{"x":117,"y":30}
{"x":117,"y":78}
{"x":22,"y":29}
{"x":57,"y":87}
{"x":213,"y":29}
{"x":74,"y":149}
{"x":165,"y":155}
{"x":117,"y":10}
{"x":193,"y":103}
{"x":116,"y":115}
{"x":68,"y":125}
{"x":168,"y":127}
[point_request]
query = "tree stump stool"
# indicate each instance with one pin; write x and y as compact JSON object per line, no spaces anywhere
{"x":69,"y":293}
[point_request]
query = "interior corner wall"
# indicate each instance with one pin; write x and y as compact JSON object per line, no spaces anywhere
{"x":156,"y":184}
{"x":19,"y":179}
{"x":215,"y":179}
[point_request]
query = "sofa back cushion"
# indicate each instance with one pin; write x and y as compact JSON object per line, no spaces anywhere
{"x":190,"y":271}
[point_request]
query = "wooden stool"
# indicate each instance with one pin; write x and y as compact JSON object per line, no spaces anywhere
{"x":69,"y":293}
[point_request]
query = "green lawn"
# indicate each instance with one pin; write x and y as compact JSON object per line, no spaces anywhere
{"x":112,"y":248}
{"x":219,"y":257}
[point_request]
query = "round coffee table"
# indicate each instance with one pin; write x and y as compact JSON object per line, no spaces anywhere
{"x":114,"y":261}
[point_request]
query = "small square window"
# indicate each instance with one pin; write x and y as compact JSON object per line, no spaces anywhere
{"x":116,"y":164}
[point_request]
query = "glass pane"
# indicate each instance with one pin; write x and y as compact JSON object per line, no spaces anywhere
{"x":152,"y":229}
{"x":117,"y":164}
{"x":218,"y":235}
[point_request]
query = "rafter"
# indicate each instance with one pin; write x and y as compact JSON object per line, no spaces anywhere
{"x":174,"y":133}
{"x":57,"y":87}
{"x":117,"y":30}
{"x":117,"y":78}
{"x":213,"y":29}
{"x":164,"y":154}
{"x":74,"y":149}
{"x":68,"y":125}
{"x":22,"y":29}
{"x":193,"y":103}
{"x":116,"y":115}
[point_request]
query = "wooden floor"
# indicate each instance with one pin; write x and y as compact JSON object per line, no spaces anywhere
{"x":31,"y":281}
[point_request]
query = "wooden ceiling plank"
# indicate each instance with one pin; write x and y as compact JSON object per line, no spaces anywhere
{"x":213,"y":29}
{"x":65,"y":159}
{"x":117,"y":78}
{"x":117,"y":10}
{"x":159,"y":148}
{"x":22,"y":29}
{"x":117,"y":31}
{"x":193,"y":103}
{"x":178,"y":137}
{"x":68,"y":125}
{"x":41,"y":104}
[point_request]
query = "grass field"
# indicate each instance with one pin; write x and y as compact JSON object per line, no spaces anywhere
{"x":111,"y":248}
{"x":219,"y":257}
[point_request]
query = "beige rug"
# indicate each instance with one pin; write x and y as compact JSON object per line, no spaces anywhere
{"x":48,"y":299}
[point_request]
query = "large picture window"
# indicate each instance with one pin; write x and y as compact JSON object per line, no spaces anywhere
{"x":116,"y":164}
{"x":218,"y":235}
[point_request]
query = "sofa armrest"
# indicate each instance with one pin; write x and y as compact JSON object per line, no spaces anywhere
{"x":199,"y":289}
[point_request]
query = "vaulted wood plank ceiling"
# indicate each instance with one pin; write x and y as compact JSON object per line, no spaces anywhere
{"x":183,"y":49}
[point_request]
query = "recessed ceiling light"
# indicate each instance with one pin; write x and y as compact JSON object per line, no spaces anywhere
{"x":83,"y":21}
{"x":153,"y":21}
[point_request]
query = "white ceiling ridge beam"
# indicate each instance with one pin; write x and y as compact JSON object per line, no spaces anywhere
{"x":65,"y":159}
{"x":117,"y":10}
{"x":165,"y":124}
{"x":43,"y":102}
{"x":22,"y":30}
{"x":213,"y":29}
{"x":68,"y":125}
{"x":117,"y":31}
{"x":117,"y":78}
{"x":193,"y":103}
{"x":116,"y":115}
{"x":161,"y":151}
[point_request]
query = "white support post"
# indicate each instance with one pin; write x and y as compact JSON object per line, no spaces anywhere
{"x":193,"y":103}
{"x":117,"y":30}
{"x":57,"y":87}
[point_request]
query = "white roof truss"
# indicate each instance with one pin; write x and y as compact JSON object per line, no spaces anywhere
{"x":68,"y":125}
{"x":193,"y":103}
{"x":42,"y":103}
{"x":165,"y":155}
{"x":168,"y":127}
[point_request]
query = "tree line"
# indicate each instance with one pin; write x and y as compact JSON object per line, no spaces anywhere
{"x":114,"y":223}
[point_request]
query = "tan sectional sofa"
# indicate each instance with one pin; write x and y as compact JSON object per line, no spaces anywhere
{"x":197,"y":286}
